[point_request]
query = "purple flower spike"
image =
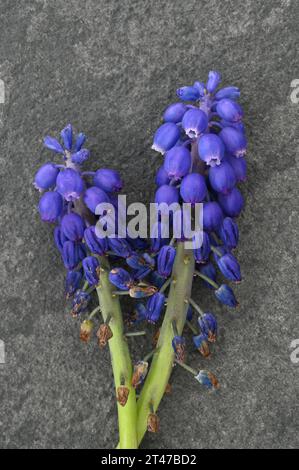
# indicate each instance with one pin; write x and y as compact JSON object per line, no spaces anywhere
{"x":96,"y":245}
{"x":175,"y":112}
{"x":94,"y":196}
{"x":177,"y":162}
{"x":53,"y":144}
{"x":108,"y":180}
{"x":188,"y":93}
{"x":230,"y":267}
{"x":165,"y":261}
{"x":193,"y":188}
{"x":230,"y":92}
{"x":194,"y":122}
{"x":154,"y":307}
{"x":211,"y":149}
{"x":226,"y":296}
{"x":120,"y":278}
{"x":166,"y":136}
{"x":229,"y":110}
{"x":232,"y":203}
{"x":235,"y":141}
{"x":214,"y":80}
{"x":72,"y":226}
{"x":45,"y":177}
{"x":50,"y":206}
{"x":212,"y":216}
{"x":222,"y":178}
{"x":229,"y":233}
{"x":69,"y":184}
{"x":90,"y":266}
{"x":67,"y":137}
{"x":166,"y":194}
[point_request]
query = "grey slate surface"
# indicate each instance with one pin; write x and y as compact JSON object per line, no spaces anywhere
{"x":110,"y":68}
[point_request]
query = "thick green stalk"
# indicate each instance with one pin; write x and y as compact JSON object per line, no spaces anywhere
{"x":120,"y":358}
{"x":162,"y":363}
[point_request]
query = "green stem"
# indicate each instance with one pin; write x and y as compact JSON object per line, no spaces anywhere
{"x":163,"y":359}
{"x":120,"y":358}
{"x":207,"y":279}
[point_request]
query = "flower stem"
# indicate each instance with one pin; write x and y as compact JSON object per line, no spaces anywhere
{"x":163,"y":359}
{"x":120,"y":358}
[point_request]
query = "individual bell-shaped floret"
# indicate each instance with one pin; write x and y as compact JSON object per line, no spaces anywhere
{"x":212,"y":216}
{"x":166,"y":136}
{"x":226,"y":296}
{"x":232,"y":203}
{"x":222,"y":178}
{"x":211,"y":149}
{"x":194,"y":123}
{"x":214,"y":80}
{"x":235,"y":141}
{"x":177,"y":162}
{"x":72,"y":282}
{"x":202,"y":253}
{"x":175,"y":112}
{"x":45,"y":177}
{"x":72,"y":226}
{"x":154,"y":307}
{"x":67,"y":137}
{"x":229,"y":110}
{"x":95,"y":244}
{"x":108,"y":180}
{"x":69,"y":184}
{"x":166,"y":194}
{"x":50,"y":206}
{"x":90,"y":266}
{"x":193,"y":188}
{"x":165,"y":260}
{"x":188,"y":93}
{"x":208,"y":325}
{"x":94,"y":196}
{"x":229,"y":267}
{"x":229,"y":233}
{"x":121,"y":278}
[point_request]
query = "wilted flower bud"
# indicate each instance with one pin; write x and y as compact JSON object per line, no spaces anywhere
{"x":80,"y":302}
{"x":202,"y":253}
{"x":193,"y":188}
{"x":175,"y":112}
{"x":201,"y":343}
{"x":229,"y":233}
{"x":153,"y":423}
{"x":208,"y":325}
{"x":108,"y":180}
{"x":156,"y":337}
{"x":45,"y":177}
{"x":122,"y":394}
{"x":165,"y":260}
{"x":154,"y":307}
{"x":69,"y":184}
{"x":95,"y":244}
{"x":226,"y":296}
{"x":50,"y":206}
{"x":232,"y":203}
{"x":212,"y":216}
{"x":138,"y":292}
{"x":230,"y":92}
{"x":67,"y":137}
{"x":139,"y":374}
{"x":143,"y":264}
{"x":208,"y":379}
{"x":94,"y":196}
{"x":104,"y":333}
{"x":177,"y":162}
{"x":72,"y":282}
{"x":194,"y":123}
{"x":235,"y":141}
{"x":179,"y":347}
{"x":214,"y":80}
{"x":166,"y":137}
{"x":120,"y":278}
{"x":222,"y":178}
{"x":85,"y":330}
{"x":229,"y":267}
{"x":229,"y":110}
{"x":211,"y":149}
{"x":72,"y":226}
{"x":90,"y":265}
{"x":188,"y":93}
{"x":167,"y":194}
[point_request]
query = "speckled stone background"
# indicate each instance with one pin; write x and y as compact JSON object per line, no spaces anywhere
{"x":110,"y":68}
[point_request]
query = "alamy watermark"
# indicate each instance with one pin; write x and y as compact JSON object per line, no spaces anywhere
{"x":183,"y":222}
{"x":295,"y":93}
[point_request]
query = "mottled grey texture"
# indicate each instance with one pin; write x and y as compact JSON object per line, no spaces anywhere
{"x":110,"y":68}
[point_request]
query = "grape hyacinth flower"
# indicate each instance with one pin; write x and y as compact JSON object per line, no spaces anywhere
{"x":203,"y":144}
